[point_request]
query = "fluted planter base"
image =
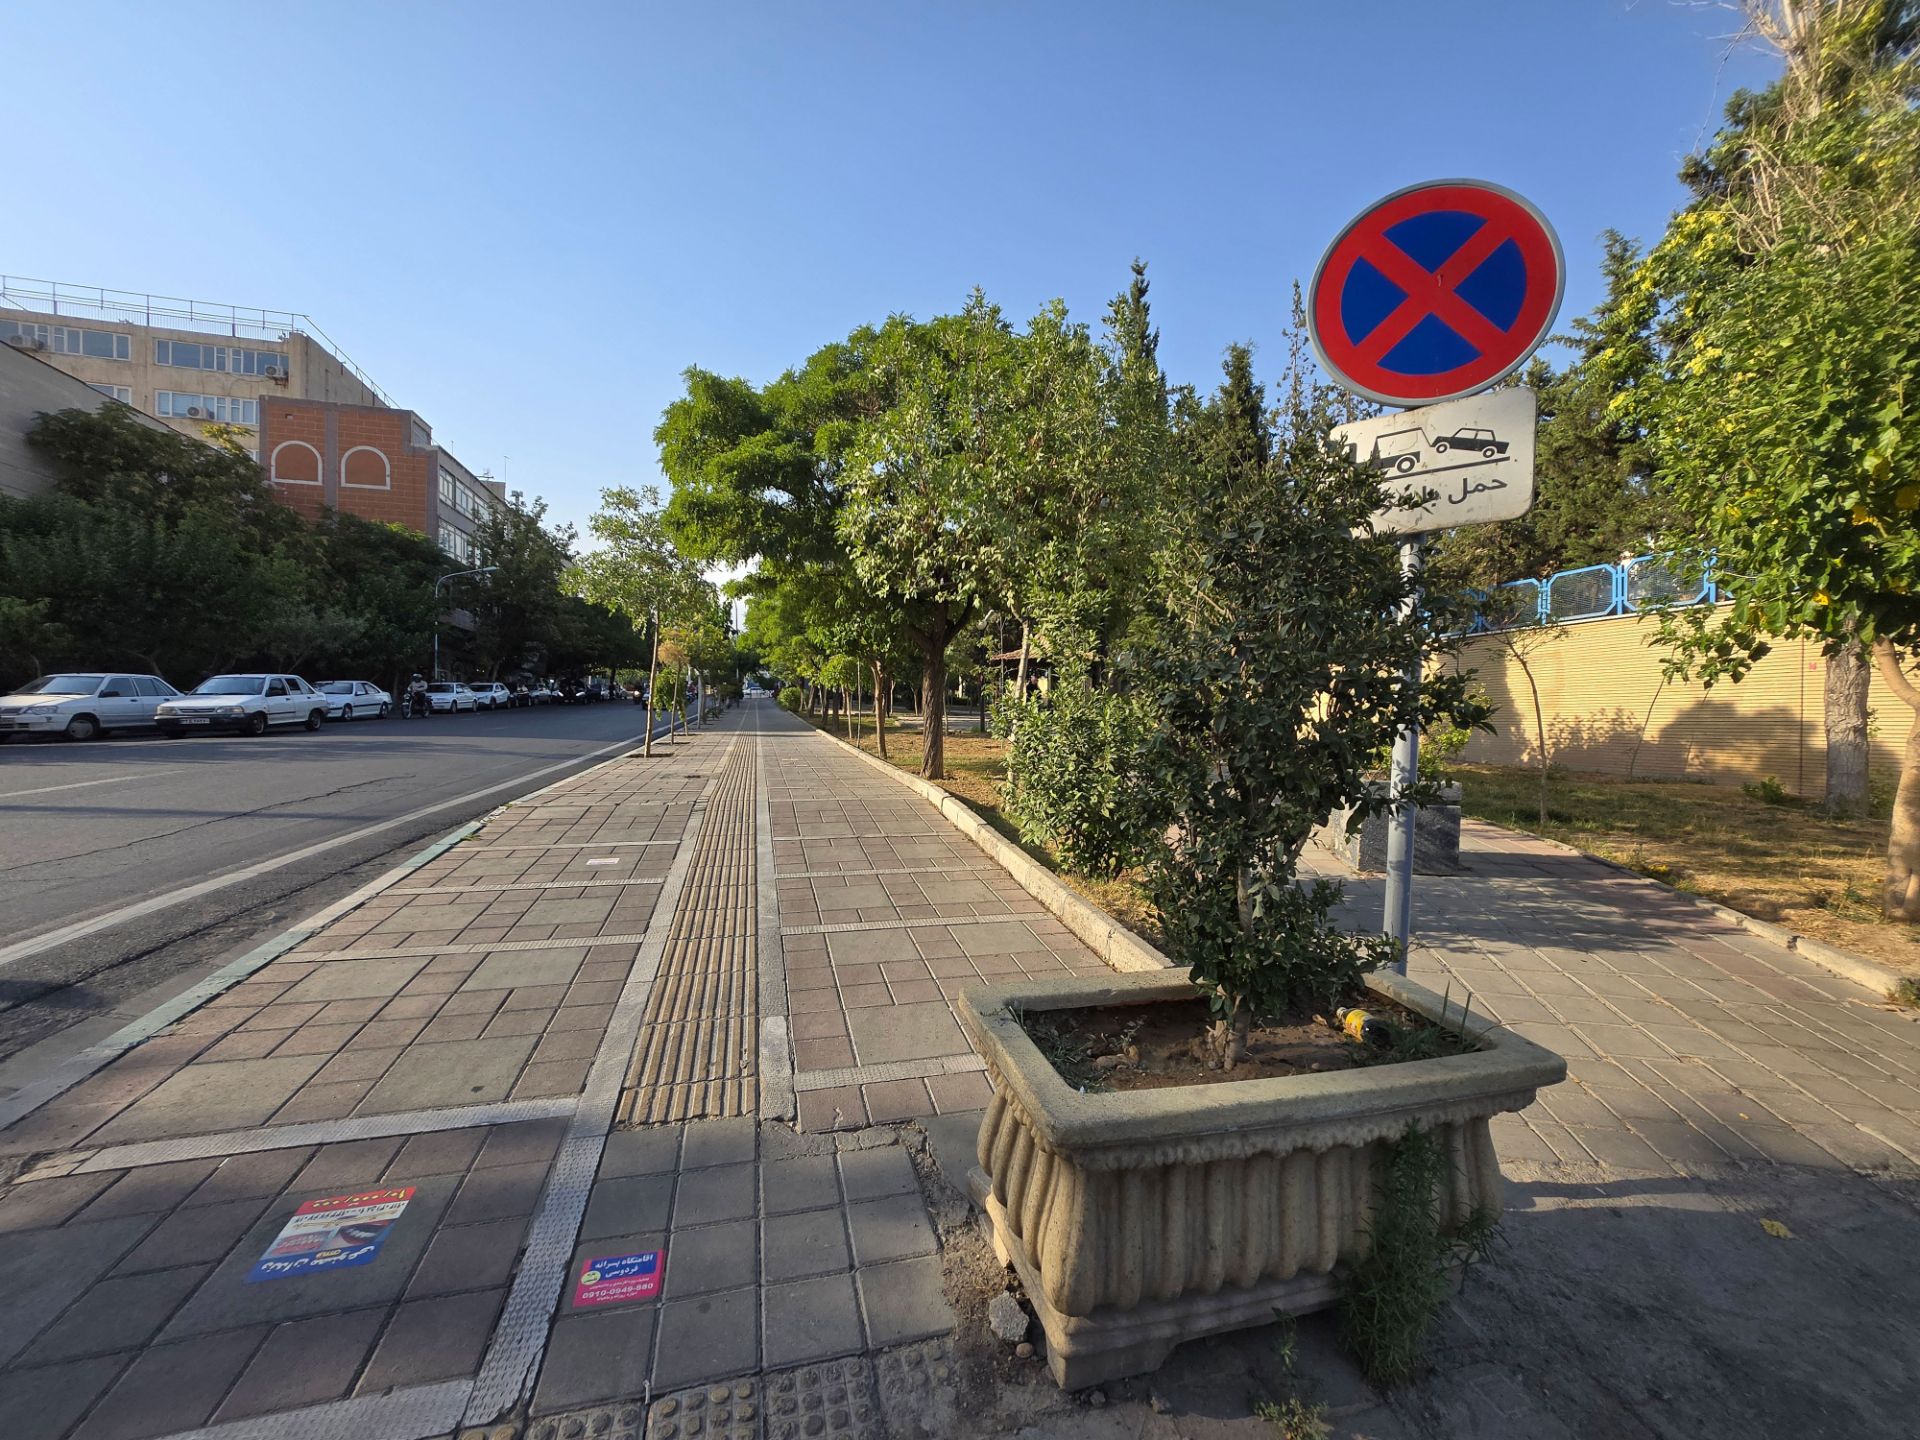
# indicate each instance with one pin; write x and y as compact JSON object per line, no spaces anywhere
{"x":1137,"y":1220}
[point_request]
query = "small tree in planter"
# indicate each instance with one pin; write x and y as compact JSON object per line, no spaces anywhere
{"x":1279,"y":675}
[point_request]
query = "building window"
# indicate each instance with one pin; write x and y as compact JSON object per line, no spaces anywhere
{"x":69,"y":340}
{"x":449,"y":489}
{"x":122,"y":393}
{"x":227,"y":409}
{"x":458,"y":545}
{"x":365,"y":468}
{"x":232,"y":359}
{"x":20,"y":333}
{"x":294,"y":462}
{"x":95,"y":344}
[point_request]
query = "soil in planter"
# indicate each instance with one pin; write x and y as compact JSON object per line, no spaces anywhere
{"x":1149,"y":1047}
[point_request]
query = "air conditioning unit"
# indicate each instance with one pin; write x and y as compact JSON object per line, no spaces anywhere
{"x":20,"y":342}
{"x":274,"y":372}
{"x":36,"y":343}
{"x":194,"y":412}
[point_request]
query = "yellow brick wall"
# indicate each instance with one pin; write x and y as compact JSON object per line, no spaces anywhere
{"x":1600,"y":684}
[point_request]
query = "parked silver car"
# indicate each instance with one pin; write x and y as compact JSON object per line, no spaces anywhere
{"x":355,"y":700}
{"x":247,"y":704}
{"x":82,"y":705}
{"x":450,"y":697}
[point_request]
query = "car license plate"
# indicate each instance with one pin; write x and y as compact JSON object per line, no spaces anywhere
{"x":190,"y":721}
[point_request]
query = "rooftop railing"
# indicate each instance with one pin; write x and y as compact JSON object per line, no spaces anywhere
{"x":170,"y":312}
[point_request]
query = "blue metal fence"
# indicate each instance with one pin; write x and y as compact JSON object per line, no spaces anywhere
{"x":1595,"y":592}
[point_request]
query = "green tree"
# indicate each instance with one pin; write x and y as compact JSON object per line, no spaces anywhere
{"x":637,"y":571}
{"x":1277,"y":675}
{"x":516,"y":608}
{"x":1595,"y":495}
{"x":1777,"y":325}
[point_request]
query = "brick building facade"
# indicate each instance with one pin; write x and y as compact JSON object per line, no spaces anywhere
{"x":376,"y":462}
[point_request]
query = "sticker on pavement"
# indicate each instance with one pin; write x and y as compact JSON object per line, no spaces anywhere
{"x":616,"y":1279}
{"x":332,"y":1233}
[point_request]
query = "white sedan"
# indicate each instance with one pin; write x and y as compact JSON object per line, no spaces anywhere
{"x":355,"y":699}
{"x":450,"y":697}
{"x":492,"y":695}
{"x":82,"y":706}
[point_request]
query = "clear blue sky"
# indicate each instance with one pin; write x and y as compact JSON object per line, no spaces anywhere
{"x":525,"y":220}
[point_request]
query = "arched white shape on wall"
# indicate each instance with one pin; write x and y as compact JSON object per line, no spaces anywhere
{"x":273,"y":464}
{"x":386,"y":469}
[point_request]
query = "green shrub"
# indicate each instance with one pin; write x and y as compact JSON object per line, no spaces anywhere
{"x":1389,"y":1297}
{"x":1073,"y":775}
{"x":1768,"y":791}
{"x":792,"y":698}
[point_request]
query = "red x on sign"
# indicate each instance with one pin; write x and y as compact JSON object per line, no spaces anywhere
{"x":1435,"y":292}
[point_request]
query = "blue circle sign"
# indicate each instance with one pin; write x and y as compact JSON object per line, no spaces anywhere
{"x":1435,"y":292}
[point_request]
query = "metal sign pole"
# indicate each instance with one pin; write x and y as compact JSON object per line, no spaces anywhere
{"x":1398,"y":920}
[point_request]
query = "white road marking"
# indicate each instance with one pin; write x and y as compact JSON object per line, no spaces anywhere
{"x":80,"y":929}
{"x":82,"y":784}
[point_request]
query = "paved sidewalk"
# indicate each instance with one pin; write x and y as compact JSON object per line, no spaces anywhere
{"x":697,"y":1008}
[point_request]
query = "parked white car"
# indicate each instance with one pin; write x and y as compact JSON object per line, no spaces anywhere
{"x":246,"y":704}
{"x":81,"y":706}
{"x":355,"y":700}
{"x":450,"y":697}
{"x":492,"y":695}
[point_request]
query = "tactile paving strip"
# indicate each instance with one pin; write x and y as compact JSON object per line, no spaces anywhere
{"x":699,"y":1042}
{"x":834,"y":1400}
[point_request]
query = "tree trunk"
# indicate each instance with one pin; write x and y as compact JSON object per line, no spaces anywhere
{"x":653,"y":676}
{"x":933,"y":707}
{"x":1540,"y":739}
{"x":1026,"y":648}
{"x":1901,"y":900}
{"x":1848,"y":679}
{"x":846,"y":705}
{"x":880,"y":688}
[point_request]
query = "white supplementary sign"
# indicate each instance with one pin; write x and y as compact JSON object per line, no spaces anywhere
{"x":1472,"y":458}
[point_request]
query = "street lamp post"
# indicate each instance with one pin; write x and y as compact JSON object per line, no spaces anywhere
{"x":455,"y":575}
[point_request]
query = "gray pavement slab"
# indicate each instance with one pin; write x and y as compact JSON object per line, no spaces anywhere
{"x":202,"y":1099}
{"x":708,"y":1337}
{"x":431,"y":1077}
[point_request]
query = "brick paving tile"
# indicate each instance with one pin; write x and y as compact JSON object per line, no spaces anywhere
{"x":894,"y":1100}
{"x":903,"y":1301}
{"x":433,"y":1339}
{"x":813,"y":1319}
{"x":116,"y":1315}
{"x":43,"y":1403}
{"x":304,"y":1362}
{"x":712,"y":1257}
{"x":498,"y":1192}
{"x":171,"y":1387}
{"x":708,"y":1337}
{"x":596,"y":1358}
{"x":726,"y":1192}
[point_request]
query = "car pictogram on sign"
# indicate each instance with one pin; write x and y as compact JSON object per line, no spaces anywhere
{"x":1484,"y":441}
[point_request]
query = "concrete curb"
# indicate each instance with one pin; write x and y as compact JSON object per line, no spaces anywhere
{"x":1100,"y":932}
{"x":1844,"y":963}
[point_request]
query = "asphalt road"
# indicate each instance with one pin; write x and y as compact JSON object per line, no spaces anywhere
{"x":133,"y":823}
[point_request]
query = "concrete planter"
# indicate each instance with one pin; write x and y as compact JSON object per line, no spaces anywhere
{"x":1436,"y":837}
{"x":1142,"y":1219}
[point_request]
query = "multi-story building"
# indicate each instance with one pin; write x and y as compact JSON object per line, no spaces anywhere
{"x":379,"y":462}
{"x":188,"y":362}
